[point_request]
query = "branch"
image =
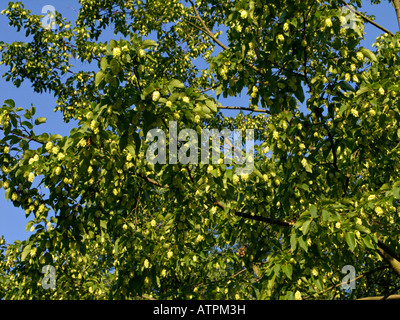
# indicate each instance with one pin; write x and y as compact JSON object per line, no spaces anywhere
{"x":23,"y":136}
{"x":391,"y":297}
{"x":391,"y":257}
{"x":211,"y":35}
{"x":257,"y":218}
{"x":245,"y":108}
{"x":206,"y":29}
{"x":352,"y":280}
{"x":149,"y":180}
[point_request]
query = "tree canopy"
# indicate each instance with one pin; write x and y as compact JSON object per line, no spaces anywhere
{"x":324,"y":191}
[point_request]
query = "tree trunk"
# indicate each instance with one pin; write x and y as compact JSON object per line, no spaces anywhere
{"x":396,"y":4}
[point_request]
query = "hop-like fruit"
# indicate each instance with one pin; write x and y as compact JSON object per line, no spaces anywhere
{"x":243,"y":14}
{"x":155,"y":96}
{"x":116,"y":52}
{"x":328,"y":22}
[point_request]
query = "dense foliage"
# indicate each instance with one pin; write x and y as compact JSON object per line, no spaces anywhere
{"x":324,"y":192}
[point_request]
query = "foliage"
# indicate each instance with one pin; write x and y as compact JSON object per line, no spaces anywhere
{"x":324,"y":192}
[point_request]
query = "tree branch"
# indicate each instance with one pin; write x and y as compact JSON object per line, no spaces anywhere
{"x":149,"y":180}
{"x":244,"y":108}
{"x":391,"y":297}
{"x":352,"y":280}
{"x":257,"y":218}
{"x":391,"y":257}
{"x":206,"y":29}
{"x":211,"y":35}
{"x":23,"y":136}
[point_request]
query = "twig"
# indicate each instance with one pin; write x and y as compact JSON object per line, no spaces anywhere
{"x":244,"y":108}
{"x":28,"y":138}
{"x":396,"y":4}
{"x":257,"y":218}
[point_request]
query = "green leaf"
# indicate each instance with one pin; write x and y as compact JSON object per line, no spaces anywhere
{"x":131,"y":149}
{"x":176,"y":84}
{"x":351,"y":240}
{"x":10,"y":102}
{"x":300,"y":93}
{"x":25,"y":252}
{"x":362,"y":90}
{"x":362,"y":228}
{"x":99,"y":77}
{"x":148,"y":43}
{"x":303,"y":244}
{"x":277,"y":268}
{"x":219,"y":90}
{"x":113,"y":43}
{"x":288,"y":270}
{"x":369,"y":54}
{"x":308,"y":168}
{"x":293,"y":242}
{"x":7,"y":194}
{"x":325,"y":215}
{"x":368,"y":241}
{"x":212,"y":106}
{"x":114,"y":66}
{"x":306,"y":227}
{"x":29,"y":225}
{"x":396,"y":192}
{"x":314,"y":211}
{"x":40,"y":120}
{"x":104,"y":63}
{"x":345,"y":86}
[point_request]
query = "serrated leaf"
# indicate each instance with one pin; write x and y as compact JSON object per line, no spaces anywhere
{"x":40,"y":120}
{"x":300,"y":94}
{"x":277,"y":269}
{"x":345,"y":86}
{"x":103,"y":63}
{"x":368,"y":242}
{"x":29,"y":225}
{"x":362,"y":90}
{"x":7,"y":194}
{"x":176,"y":84}
{"x":288,"y":270}
{"x":396,"y":192}
{"x":351,"y":240}
{"x":219,"y":90}
{"x":303,"y":244}
{"x":25,"y":252}
{"x":306,"y":227}
{"x":369,"y":54}
{"x":99,"y":77}
{"x":212,"y":106}
{"x":293,"y":242}
{"x":148,"y":43}
{"x":10,"y":102}
{"x":308,"y":168}
{"x":362,"y":229}
{"x":114,"y":66}
{"x":113,"y":43}
{"x":314,"y":211}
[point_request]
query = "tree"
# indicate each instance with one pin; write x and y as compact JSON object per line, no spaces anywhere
{"x":324,"y":191}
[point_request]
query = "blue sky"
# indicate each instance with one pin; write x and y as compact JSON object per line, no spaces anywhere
{"x":12,"y":220}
